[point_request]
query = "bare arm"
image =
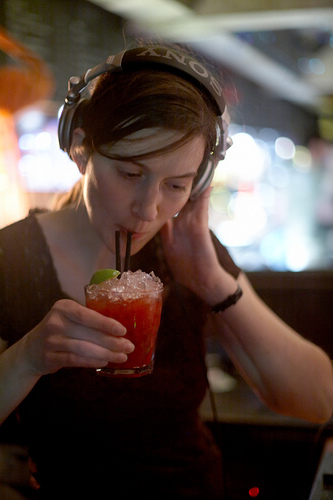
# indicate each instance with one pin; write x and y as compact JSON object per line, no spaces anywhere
{"x":291,"y":375}
{"x":16,"y":381}
{"x":70,"y":335}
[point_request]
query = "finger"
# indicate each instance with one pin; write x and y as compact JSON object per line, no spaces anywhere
{"x":65,"y":351}
{"x":103,"y":340}
{"x":86,"y":317}
{"x":195,"y":212}
{"x":71,"y":359}
{"x":201,"y":204}
{"x":88,"y":349}
{"x":60,"y":331}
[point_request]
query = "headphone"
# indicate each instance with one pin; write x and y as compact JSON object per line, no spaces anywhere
{"x":154,"y":57}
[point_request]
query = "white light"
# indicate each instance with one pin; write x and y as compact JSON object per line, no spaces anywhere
{"x":248,"y":207}
{"x":31,"y":120}
{"x":298,"y":257}
{"x":299,"y":249}
{"x":236,"y":233}
{"x":317,"y":66}
{"x":25,"y":164}
{"x":266,"y":194}
{"x":272,"y":249}
{"x":26,"y":142}
{"x":285,"y":148}
{"x":220,"y":199}
{"x":244,"y":163}
{"x":268,"y":134}
{"x":278,"y":176}
{"x":147,"y":11}
{"x":302,"y":160}
{"x":43,"y":141}
{"x":4,"y":182}
{"x":60,"y":111}
{"x":247,"y":220}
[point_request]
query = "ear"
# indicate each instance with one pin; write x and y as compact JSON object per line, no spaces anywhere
{"x":78,"y":151}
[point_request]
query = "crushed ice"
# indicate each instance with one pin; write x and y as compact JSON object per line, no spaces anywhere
{"x":129,"y":281}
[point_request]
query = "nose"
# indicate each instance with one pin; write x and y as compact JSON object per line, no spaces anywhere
{"x":146,"y":203}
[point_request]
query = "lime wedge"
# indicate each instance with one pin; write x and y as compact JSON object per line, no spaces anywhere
{"x":103,"y":275}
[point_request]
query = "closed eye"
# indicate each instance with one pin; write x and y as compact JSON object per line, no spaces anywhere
{"x":177,"y":187}
{"x":129,"y":175}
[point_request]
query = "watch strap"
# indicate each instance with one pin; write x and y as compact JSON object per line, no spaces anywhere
{"x":229,"y":301}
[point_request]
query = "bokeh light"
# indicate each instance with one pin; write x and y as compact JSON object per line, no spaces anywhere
{"x":285,"y":148}
{"x":263,"y":202}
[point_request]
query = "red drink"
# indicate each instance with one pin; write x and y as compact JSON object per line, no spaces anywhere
{"x":139,"y":311}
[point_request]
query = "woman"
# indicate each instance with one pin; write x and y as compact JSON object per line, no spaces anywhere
{"x":143,"y":142}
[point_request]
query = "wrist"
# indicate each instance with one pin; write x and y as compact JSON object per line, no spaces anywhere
{"x":27,"y":354}
{"x":218,"y":287}
{"x":229,"y":301}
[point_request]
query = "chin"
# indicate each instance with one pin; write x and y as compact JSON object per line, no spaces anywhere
{"x":139,"y":244}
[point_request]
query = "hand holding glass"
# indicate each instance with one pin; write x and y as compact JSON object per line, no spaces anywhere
{"x":135,"y":300}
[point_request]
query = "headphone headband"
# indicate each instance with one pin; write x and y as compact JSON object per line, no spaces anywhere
{"x":158,"y":58}
{"x":177,"y":62}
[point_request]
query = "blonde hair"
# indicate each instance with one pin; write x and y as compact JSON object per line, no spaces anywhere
{"x":74,"y":196}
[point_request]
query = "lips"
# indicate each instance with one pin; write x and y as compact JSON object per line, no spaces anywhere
{"x":135,"y":234}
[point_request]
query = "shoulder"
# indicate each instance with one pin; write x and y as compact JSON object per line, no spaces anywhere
{"x":21,"y":238}
{"x":22,"y":249}
{"x":28,"y":283}
{"x":21,"y":226}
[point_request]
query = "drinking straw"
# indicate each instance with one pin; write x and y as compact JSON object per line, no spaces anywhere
{"x":128,"y":251}
{"x":118,"y":261}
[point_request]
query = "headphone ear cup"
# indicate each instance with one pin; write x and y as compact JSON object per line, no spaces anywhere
{"x":204,"y":180}
{"x":70,"y":119}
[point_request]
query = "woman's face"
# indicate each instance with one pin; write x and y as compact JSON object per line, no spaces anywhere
{"x":140,"y":196}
